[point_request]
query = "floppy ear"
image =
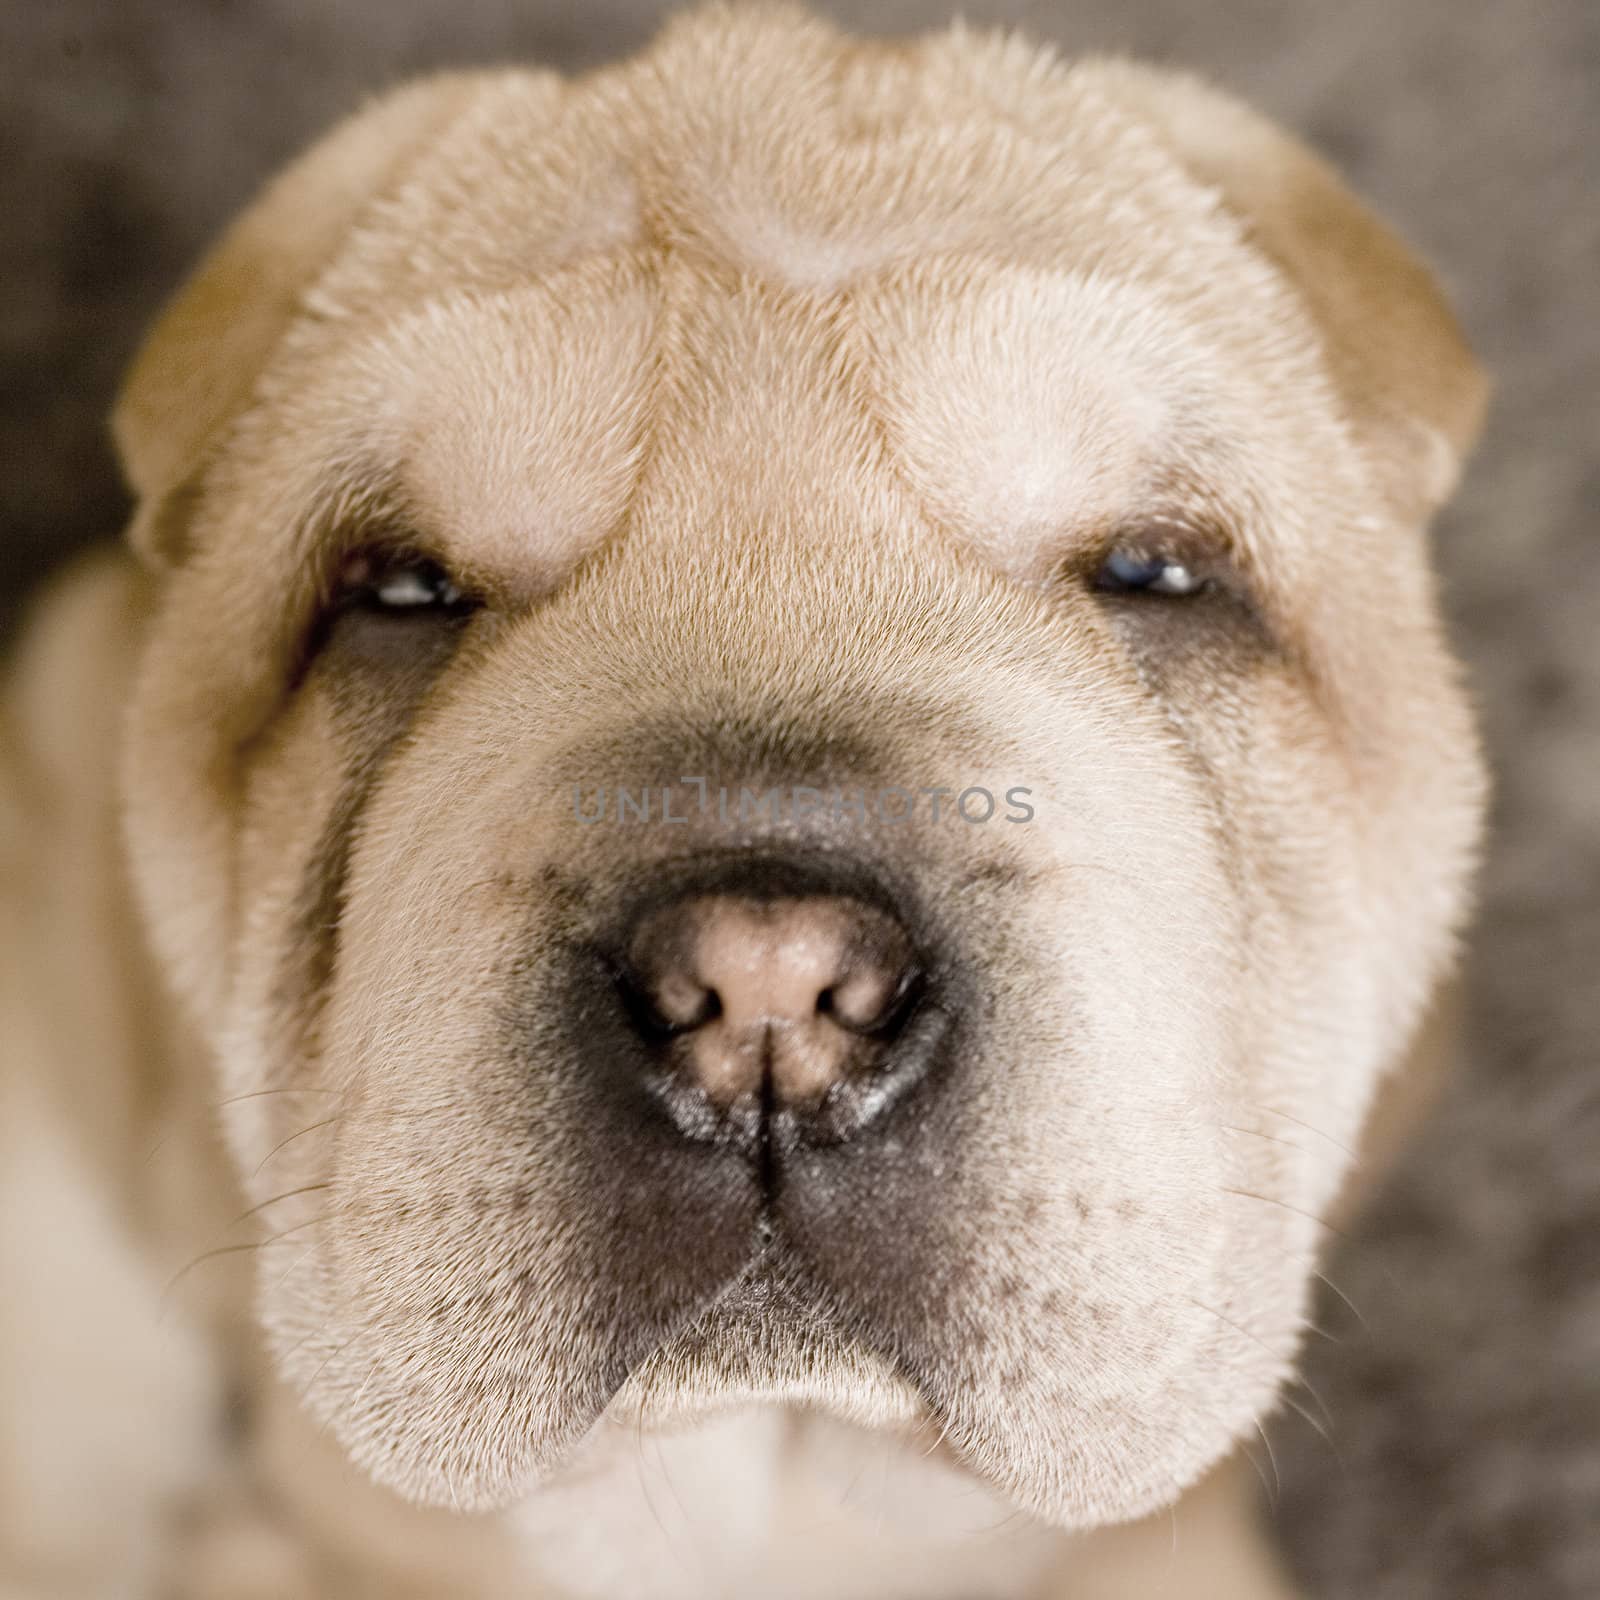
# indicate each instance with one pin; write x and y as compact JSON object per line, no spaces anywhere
{"x":196,"y":367}
{"x":1411,"y":388}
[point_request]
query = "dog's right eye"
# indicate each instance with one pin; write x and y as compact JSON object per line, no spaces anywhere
{"x":390,"y":612}
{"x":1167,"y":586}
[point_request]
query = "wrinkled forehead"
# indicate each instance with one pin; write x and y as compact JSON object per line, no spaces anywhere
{"x":581,"y":306}
{"x":1014,"y":406}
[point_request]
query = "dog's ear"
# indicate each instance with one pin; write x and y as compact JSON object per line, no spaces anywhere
{"x":197,"y":365}
{"x":1411,"y":388}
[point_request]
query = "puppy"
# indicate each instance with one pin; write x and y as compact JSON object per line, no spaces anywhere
{"x":787,"y":778}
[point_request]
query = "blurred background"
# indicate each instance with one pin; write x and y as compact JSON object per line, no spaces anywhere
{"x":1460,"y":1384}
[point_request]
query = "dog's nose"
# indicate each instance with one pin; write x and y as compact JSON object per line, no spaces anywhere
{"x":777,"y":1003}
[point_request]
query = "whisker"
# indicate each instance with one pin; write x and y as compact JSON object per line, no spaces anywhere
{"x":300,"y":1343}
{"x":1256,"y":1133}
{"x":944,"y":1433}
{"x":234,"y":1099}
{"x":1295,"y":1380}
{"x":327,"y":1122}
{"x":283,"y":1278}
{"x":1239,"y":1328}
{"x":236,"y":1249}
{"x":1355,"y":1310}
{"x":1250,"y":1456}
{"x":1272,"y":1200}
{"x":1306,"y":1265}
{"x":998,"y":1530}
{"x":1298,"y":1381}
{"x":641,"y":1465}
{"x":311,"y":1382}
{"x":1272,"y":1111}
{"x":372,"y":1372}
{"x":257,"y":1094}
{"x":665,"y":1468}
{"x":347,"y":1407}
{"x":1324,"y":1431}
{"x":1277,"y":1477}
{"x":288,"y":1194}
{"x":158,"y":1146}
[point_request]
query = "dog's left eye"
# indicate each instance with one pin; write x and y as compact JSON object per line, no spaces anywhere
{"x":401,"y":585}
{"x":1129,"y":571}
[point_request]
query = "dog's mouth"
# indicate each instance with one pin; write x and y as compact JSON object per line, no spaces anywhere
{"x":622,"y":1268}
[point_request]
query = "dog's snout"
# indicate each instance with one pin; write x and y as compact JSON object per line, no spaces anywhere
{"x":782,"y":999}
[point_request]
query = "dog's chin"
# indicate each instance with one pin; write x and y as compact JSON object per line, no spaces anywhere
{"x":761,"y":1344}
{"x":765,"y":1347}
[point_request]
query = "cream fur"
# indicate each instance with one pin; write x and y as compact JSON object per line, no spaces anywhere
{"x":769,"y":381}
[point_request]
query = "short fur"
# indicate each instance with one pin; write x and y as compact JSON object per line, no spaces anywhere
{"x":778,"y":393}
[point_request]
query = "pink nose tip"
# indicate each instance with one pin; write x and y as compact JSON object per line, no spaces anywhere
{"x":785,"y":997}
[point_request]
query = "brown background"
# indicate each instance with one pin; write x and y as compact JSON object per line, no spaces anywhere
{"x":1466,"y":1411}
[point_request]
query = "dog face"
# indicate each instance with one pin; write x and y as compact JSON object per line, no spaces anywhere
{"x":797,"y":749}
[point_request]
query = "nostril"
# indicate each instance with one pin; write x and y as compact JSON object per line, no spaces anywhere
{"x":684,"y":1003}
{"x":666,"y":1007}
{"x":874,"y":1004}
